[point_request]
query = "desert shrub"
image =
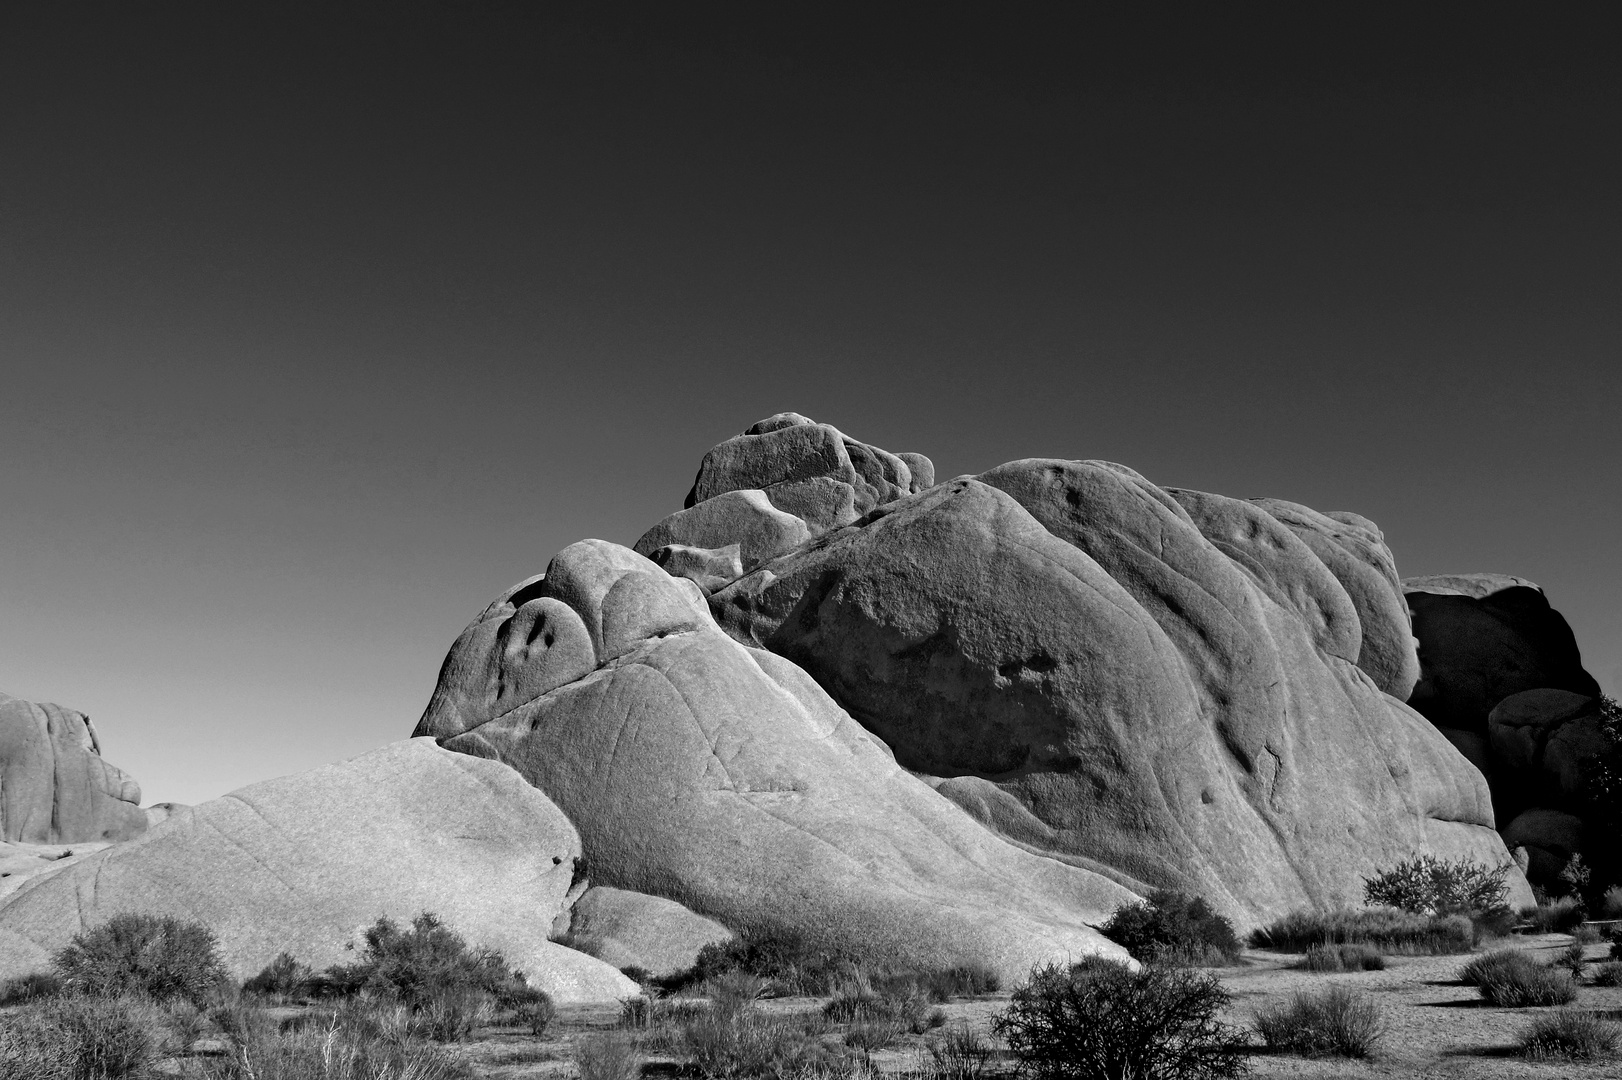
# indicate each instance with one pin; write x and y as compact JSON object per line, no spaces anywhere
{"x":448,"y":987}
{"x":1172,"y":927}
{"x":941,"y":986}
{"x":1559,"y":916}
{"x":608,"y":1055}
{"x":1099,"y":1019}
{"x":730,"y":1046}
{"x":1431,"y":886}
{"x":26,"y":988}
{"x":1390,"y":930}
{"x":1354,"y":957}
{"x":1610,"y":906}
{"x":870,"y":1035}
{"x":1513,"y":980}
{"x":362,"y":1040}
{"x":959,"y":1055}
{"x":1570,"y":1035}
{"x":283,"y":977}
{"x":903,"y":1003}
{"x":1608,"y":974}
{"x":159,"y":956}
{"x":80,"y":1037}
{"x":1337,"y":1022}
{"x":526,"y":1007}
{"x":1573,"y":958}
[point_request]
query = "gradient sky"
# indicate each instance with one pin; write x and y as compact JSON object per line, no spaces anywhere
{"x":319,"y":329}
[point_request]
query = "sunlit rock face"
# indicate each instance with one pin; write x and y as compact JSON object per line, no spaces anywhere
{"x":54,"y":786}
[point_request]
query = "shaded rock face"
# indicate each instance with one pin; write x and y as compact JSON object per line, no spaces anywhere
{"x":725,"y":779}
{"x":1503,"y":679}
{"x":305,"y":863}
{"x":1483,"y":637}
{"x":1160,"y":685}
{"x":54,"y":786}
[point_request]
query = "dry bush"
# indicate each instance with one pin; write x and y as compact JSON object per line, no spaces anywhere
{"x":80,"y":1037}
{"x":1173,"y":927}
{"x":607,"y":1055}
{"x":1099,"y":1019}
{"x":1608,"y":974}
{"x":1336,"y":1022}
{"x":960,"y":1055}
{"x":357,"y":1041}
{"x":1571,"y":1035}
{"x":744,"y":1043}
{"x":1559,"y":916}
{"x":903,"y":1003}
{"x":161,"y":957}
{"x":1390,"y":930}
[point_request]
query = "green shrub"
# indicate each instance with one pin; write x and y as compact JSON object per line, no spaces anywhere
{"x":1172,"y":927}
{"x":1571,"y":1035}
{"x":1099,"y":1019}
{"x":1388,"y":929}
{"x":790,"y":960}
{"x":1513,"y":980}
{"x":1558,"y":916}
{"x":161,"y":957}
{"x":1431,"y":886}
{"x":283,"y":978}
{"x":26,"y":988}
{"x":1339,"y":1021}
{"x":80,"y":1037}
{"x":1358,"y":957}
{"x":1608,"y":974}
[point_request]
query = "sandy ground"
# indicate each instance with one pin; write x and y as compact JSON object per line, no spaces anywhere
{"x":1437,"y":1026}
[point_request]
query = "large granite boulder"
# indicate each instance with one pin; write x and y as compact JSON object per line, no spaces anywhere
{"x":635,"y":930}
{"x":724,"y":778}
{"x":1164,"y":687}
{"x":54,"y":786}
{"x":1483,"y":637}
{"x":305,"y":863}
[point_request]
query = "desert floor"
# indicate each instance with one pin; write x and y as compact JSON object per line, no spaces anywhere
{"x":1438,"y":1027}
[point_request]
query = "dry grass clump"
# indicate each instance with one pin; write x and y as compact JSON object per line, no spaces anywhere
{"x":861,"y":1000}
{"x":1355,"y":957}
{"x":366,"y":1039}
{"x":1338,"y":1022}
{"x":1608,"y":974}
{"x":1390,"y":930}
{"x":1512,"y":980}
{"x":1561,"y":915}
{"x":1571,"y":1035}
{"x":608,"y":1055}
{"x":960,"y":1055}
{"x":31,"y":987}
{"x":76,"y":1036}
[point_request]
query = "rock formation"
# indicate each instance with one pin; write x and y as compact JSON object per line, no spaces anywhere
{"x":305,"y":863}
{"x":1502,"y":678}
{"x":725,"y":779}
{"x":54,"y":786}
{"x":1124,"y":686}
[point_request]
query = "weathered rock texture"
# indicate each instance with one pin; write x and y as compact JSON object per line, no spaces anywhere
{"x":54,"y":786}
{"x":725,"y":779}
{"x":305,"y":863}
{"x":1163,"y":685}
{"x":1503,"y":679}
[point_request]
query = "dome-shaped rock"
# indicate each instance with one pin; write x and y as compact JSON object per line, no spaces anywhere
{"x":305,"y":863}
{"x":725,"y":779}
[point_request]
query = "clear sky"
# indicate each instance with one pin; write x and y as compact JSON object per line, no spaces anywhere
{"x":320,"y":327}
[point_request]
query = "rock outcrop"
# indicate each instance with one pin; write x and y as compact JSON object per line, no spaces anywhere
{"x":635,"y":930}
{"x":1502,"y":678}
{"x":725,"y":779}
{"x":305,"y":863}
{"x":54,"y":786}
{"x":1086,"y":669}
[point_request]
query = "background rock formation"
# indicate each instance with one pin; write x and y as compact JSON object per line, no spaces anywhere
{"x":54,"y":786}
{"x":724,"y":778}
{"x":305,"y":863}
{"x":1502,"y":678}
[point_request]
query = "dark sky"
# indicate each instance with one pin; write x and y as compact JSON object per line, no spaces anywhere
{"x":320,"y":325}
